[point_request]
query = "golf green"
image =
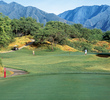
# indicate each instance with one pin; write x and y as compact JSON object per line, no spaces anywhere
{"x":56,"y":87}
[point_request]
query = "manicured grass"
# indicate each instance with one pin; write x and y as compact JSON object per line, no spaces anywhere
{"x":55,"y":76}
{"x":56,"y":87}
{"x":55,"y":62}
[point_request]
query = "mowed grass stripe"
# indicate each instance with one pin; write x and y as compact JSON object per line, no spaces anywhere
{"x":55,"y":62}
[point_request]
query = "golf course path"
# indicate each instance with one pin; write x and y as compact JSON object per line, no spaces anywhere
{"x":16,"y":72}
{"x":32,"y":40}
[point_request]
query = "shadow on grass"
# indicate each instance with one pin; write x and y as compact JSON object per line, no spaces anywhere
{"x":103,"y":55}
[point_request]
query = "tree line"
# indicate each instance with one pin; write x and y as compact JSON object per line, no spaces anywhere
{"x":54,"y":31}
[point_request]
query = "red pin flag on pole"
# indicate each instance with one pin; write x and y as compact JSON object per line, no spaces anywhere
{"x":4,"y":72}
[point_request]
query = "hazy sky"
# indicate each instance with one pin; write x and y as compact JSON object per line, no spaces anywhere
{"x":59,"y":6}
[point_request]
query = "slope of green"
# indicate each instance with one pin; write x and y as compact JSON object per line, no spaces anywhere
{"x":55,"y":62}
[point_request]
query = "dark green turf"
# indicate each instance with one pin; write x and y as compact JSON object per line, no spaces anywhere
{"x":56,"y":87}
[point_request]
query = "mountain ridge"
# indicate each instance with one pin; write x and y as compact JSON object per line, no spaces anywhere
{"x":89,"y":16}
{"x":15,"y":10}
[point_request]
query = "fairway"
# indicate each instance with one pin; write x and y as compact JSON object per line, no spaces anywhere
{"x":56,"y":75}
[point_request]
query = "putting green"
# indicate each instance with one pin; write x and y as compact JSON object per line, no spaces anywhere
{"x":56,"y":87}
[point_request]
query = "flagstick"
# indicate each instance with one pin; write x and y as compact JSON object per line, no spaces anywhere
{"x":4,"y":72}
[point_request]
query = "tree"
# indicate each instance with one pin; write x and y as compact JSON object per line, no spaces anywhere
{"x":25,"y":26}
{"x":57,"y":32}
{"x":40,"y":37}
{"x":74,"y":32}
{"x":78,"y":26}
{"x":54,"y":31}
{"x":5,"y":31}
{"x":106,"y":35}
{"x":96,"y":34}
{"x":15,"y":26}
{"x":85,"y":33}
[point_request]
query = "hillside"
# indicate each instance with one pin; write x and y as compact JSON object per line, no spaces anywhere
{"x":78,"y":45}
{"x":90,"y":16}
{"x":15,"y":10}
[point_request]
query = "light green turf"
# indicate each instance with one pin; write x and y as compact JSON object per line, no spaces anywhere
{"x":52,"y":76}
{"x":55,"y":62}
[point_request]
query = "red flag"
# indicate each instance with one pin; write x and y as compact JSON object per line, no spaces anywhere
{"x":4,"y":72}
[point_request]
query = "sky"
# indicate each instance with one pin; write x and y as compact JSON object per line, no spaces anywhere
{"x":58,"y":6}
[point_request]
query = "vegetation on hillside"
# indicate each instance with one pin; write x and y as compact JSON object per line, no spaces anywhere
{"x":55,"y":32}
{"x":6,"y":35}
{"x":1,"y":67}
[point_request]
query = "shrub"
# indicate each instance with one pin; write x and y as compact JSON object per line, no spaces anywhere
{"x":105,"y":45}
{"x":81,"y":45}
{"x":101,"y":49}
{"x":94,"y":41}
{"x":70,"y":43}
{"x":49,"y":48}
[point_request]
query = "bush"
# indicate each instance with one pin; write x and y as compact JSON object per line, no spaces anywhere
{"x":49,"y":48}
{"x":69,"y":43}
{"x":63,"y":42}
{"x":101,"y":49}
{"x":81,"y":45}
{"x":94,"y":41}
{"x":105,"y":45}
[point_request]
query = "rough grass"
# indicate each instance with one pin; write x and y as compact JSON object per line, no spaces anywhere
{"x":66,"y":48}
{"x":19,"y":41}
{"x":1,"y":71}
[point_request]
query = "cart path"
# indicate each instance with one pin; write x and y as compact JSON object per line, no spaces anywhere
{"x":16,"y":72}
{"x":32,"y":40}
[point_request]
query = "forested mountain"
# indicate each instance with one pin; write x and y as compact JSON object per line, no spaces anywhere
{"x":90,"y":16}
{"x":15,"y":10}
